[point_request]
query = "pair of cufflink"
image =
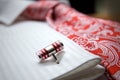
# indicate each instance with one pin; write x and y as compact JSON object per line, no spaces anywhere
{"x":51,"y":50}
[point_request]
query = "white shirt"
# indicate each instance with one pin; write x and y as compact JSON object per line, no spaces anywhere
{"x":19,"y":41}
{"x":11,"y":9}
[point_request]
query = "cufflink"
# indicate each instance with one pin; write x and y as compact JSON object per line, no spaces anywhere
{"x":51,"y":50}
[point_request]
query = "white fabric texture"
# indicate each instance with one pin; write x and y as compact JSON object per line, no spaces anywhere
{"x":11,"y":9}
{"x":20,"y":41}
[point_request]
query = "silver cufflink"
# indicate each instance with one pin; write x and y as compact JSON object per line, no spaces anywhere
{"x":51,"y":50}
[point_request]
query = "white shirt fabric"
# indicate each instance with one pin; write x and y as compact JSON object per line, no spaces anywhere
{"x":11,"y":9}
{"x":17,"y":36}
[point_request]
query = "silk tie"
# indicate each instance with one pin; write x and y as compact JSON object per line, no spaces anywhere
{"x":98,"y":36}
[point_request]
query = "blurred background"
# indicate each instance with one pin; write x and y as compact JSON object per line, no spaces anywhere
{"x":106,"y":9}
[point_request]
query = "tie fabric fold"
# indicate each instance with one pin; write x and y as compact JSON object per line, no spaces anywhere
{"x":98,"y":36}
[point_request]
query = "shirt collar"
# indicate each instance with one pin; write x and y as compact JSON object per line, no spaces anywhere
{"x":11,"y":9}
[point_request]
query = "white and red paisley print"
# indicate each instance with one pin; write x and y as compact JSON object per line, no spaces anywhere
{"x":98,"y":36}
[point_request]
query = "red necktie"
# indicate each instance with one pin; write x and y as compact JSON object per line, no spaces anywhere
{"x":98,"y":36}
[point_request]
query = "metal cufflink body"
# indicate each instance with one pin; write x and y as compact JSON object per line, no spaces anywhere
{"x":51,"y":50}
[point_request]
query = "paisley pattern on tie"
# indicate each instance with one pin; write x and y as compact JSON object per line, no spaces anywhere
{"x":98,"y":36}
